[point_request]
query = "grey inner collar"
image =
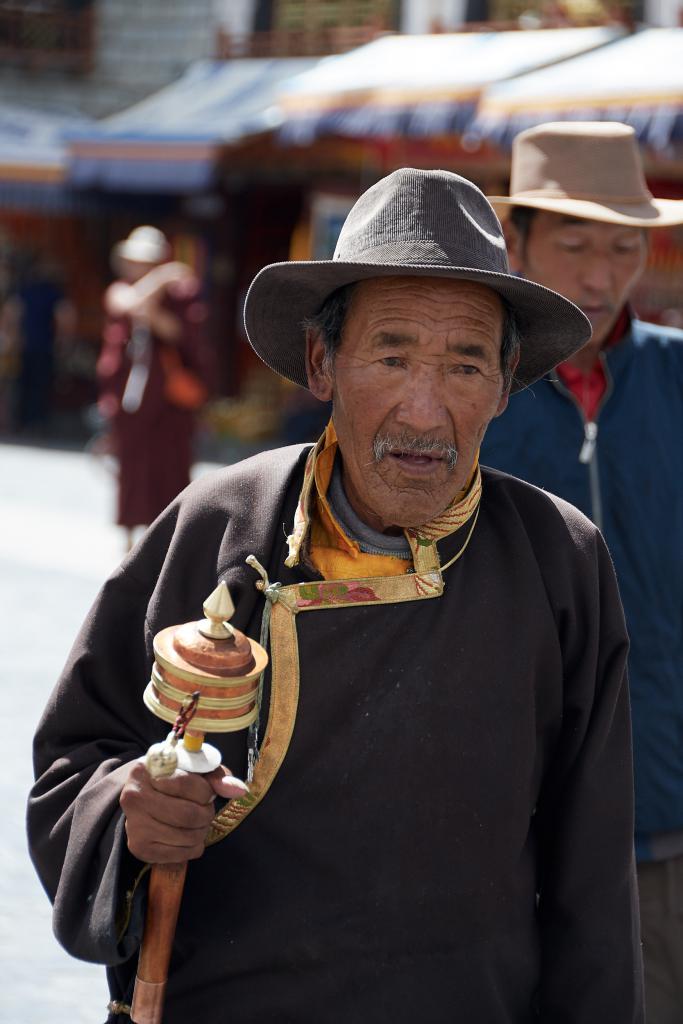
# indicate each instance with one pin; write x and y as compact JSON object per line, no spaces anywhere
{"x":370,"y":541}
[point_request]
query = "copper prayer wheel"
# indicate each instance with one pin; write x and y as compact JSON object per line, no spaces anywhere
{"x":213,"y":657}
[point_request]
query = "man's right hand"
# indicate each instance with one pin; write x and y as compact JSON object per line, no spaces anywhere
{"x":167,"y":819}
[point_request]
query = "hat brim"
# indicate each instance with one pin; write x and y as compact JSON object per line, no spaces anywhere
{"x":656,"y":213}
{"x":133,"y":252}
{"x":283,"y":295}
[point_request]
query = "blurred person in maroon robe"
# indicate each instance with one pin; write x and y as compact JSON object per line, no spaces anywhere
{"x":153,"y":374}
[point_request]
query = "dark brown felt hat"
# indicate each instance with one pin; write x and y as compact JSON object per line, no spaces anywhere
{"x":412,"y":223}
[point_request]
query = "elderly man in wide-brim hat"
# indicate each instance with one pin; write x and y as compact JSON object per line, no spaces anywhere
{"x":438,"y":821}
{"x":606,"y":433}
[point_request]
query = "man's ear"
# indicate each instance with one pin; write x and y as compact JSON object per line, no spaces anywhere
{"x":319,"y":381}
{"x":515,"y":246}
{"x":503,"y":403}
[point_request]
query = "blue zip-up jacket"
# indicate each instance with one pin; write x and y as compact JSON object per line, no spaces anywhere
{"x":625,"y":471}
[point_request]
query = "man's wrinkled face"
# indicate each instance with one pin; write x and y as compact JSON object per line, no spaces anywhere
{"x":595,"y":265}
{"x":414,"y":383}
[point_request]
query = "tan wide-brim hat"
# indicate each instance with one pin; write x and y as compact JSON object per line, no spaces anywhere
{"x":413,"y":223}
{"x":143,"y":245}
{"x":587,"y":169}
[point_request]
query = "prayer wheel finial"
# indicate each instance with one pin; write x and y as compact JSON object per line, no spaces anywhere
{"x":218,"y":608}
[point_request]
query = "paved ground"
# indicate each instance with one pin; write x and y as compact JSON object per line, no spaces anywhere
{"x":56,"y":547}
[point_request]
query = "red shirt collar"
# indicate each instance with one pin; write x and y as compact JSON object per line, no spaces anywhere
{"x":620,"y":328}
{"x":589,"y":388}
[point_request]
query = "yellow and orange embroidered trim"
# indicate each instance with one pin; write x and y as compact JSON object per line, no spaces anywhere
{"x":284,"y":698}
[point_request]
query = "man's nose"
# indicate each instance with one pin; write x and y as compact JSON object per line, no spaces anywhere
{"x":597,"y":273}
{"x":421,"y":406}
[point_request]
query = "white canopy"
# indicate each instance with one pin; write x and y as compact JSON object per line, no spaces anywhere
{"x":418,"y":85}
{"x":637,"y":79}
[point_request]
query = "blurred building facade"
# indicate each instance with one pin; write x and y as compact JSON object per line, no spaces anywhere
{"x":196,"y":130}
{"x":98,"y":56}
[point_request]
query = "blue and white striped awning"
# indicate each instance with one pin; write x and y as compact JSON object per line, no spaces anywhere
{"x":637,"y":79}
{"x":169,"y":142}
{"x":33,"y":153}
{"x":418,"y":86}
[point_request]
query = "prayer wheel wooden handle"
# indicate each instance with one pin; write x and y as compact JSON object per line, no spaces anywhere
{"x":205,"y":678}
{"x":165,"y":893}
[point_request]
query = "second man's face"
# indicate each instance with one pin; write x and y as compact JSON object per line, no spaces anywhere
{"x":594,"y":264}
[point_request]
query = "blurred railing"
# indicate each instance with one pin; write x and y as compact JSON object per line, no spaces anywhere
{"x":40,"y":36}
{"x":312,"y":42}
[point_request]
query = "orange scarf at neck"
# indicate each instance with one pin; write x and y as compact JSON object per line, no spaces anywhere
{"x":337,"y":556}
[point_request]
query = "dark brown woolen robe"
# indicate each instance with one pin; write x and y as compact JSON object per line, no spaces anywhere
{"x":450,"y":834}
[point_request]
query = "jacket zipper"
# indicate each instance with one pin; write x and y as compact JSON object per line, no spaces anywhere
{"x":588,"y":455}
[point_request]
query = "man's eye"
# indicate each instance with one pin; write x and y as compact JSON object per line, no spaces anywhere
{"x":393,"y":361}
{"x":466,"y":369}
{"x":572,"y":246}
{"x":626,"y":249}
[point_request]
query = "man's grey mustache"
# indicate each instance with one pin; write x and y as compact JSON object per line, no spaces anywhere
{"x":386,"y":444}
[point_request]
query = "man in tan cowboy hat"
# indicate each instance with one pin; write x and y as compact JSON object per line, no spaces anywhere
{"x":606,"y":433}
{"x":438,"y":824}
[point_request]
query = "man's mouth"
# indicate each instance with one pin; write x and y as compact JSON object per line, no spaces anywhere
{"x":415,"y":452}
{"x":416,"y":458}
{"x":592,"y":312}
{"x":417,"y":465}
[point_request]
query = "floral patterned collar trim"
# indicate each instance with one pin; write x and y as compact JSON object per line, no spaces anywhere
{"x":422,"y":539}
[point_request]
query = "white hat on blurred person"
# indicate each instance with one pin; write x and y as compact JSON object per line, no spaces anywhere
{"x":143,"y":245}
